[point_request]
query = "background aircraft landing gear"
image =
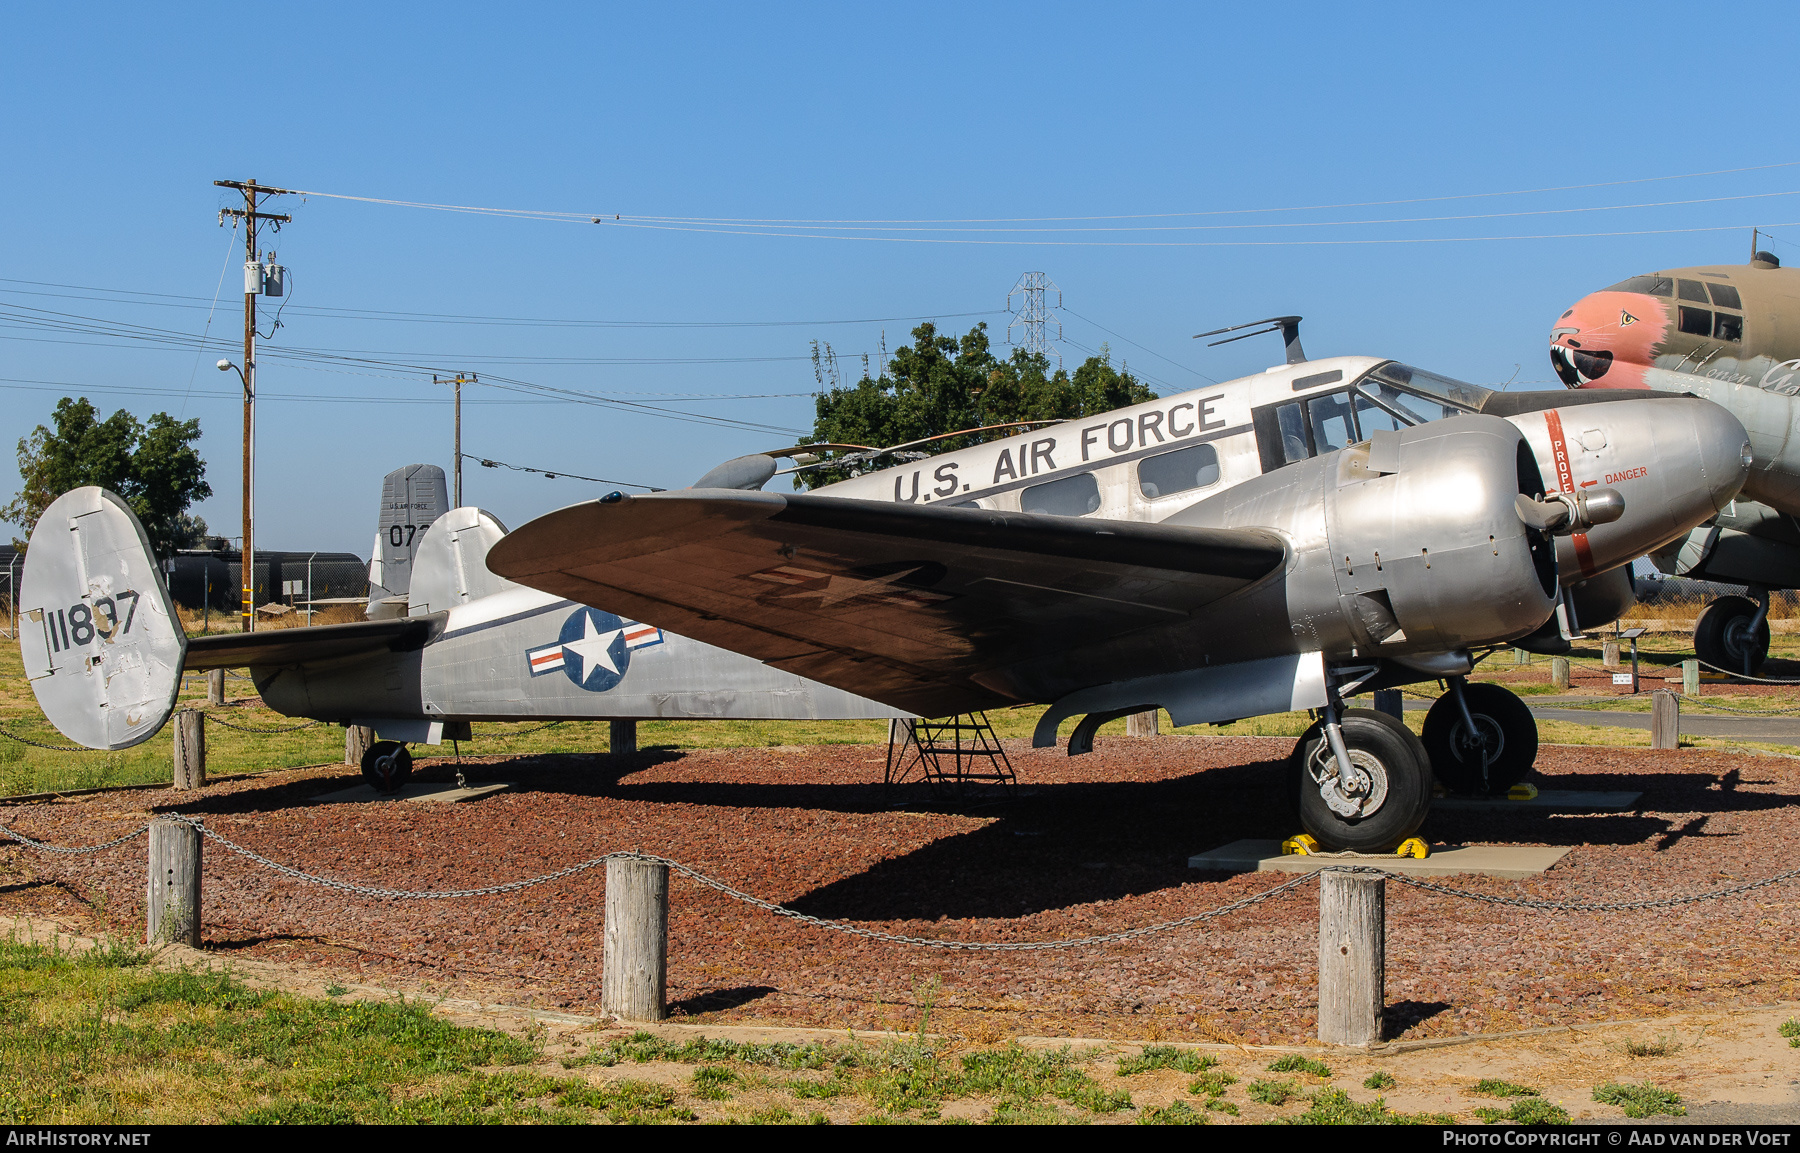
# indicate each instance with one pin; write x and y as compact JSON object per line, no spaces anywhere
{"x":1732,"y":634}
{"x":1505,"y":731}
{"x":386,"y":766}
{"x":1389,"y":793}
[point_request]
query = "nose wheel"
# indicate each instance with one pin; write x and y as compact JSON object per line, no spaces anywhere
{"x":1493,"y":756}
{"x":386,"y":765}
{"x":1380,"y":801}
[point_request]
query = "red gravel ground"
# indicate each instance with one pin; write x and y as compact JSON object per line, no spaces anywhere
{"x":1097,"y":844}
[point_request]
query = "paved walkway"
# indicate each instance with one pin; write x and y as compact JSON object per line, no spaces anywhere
{"x":1774,"y":730}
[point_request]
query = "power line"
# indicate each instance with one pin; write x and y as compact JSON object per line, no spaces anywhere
{"x":485,"y":462}
{"x":1136,"y":345}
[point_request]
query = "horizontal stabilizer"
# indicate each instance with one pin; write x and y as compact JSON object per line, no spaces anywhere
{"x":925,"y":608}
{"x":294,"y":646}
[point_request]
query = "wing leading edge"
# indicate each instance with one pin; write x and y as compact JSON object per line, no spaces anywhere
{"x":926,"y":608}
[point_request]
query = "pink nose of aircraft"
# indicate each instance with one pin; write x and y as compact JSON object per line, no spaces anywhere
{"x":1608,"y":339}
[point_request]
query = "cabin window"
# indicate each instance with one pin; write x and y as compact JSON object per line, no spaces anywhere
{"x":1695,"y":321}
{"x":1071,"y":496}
{"x":1728,"y":326}
{"x":1647,"y":285}
{"x":1692,"y":290}
{"x":1726,"y":296}
{"x":1180,"y":471}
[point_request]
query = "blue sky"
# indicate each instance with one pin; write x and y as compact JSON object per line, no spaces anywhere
{"x":120,"y":117}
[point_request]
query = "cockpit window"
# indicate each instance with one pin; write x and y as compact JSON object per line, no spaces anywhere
{"x":1647,"y":285}
{"x":1691,"y":290}
{"x":1726,"y":296}
{"x":1459,"y":396}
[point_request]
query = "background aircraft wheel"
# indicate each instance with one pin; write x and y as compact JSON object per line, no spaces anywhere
{"x":386,"y":766}
{"x":1387,"y":800}
{"x":1722,"y":635}
{"x":1504,"y":725}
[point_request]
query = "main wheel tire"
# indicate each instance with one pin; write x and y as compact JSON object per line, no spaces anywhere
{"x":1391,"y":797}
{"x":1505,"y":725}
{"x":386,"y":766}
{"x":1722,"y":636}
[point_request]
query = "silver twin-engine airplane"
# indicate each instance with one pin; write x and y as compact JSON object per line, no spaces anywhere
{"x":1277,"y":542}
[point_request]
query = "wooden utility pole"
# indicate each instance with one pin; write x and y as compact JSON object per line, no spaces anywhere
{"x":456,"y":455}
{"x":252,"y":285}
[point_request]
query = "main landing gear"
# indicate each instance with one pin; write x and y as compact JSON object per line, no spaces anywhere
{"x":1481,"y":738}
{"x":1732,"y":634}
{"x":1364,"y":787}
{"x":386,"y":765}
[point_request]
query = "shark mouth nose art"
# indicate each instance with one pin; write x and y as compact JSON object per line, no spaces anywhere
{"x":1576,"y":367}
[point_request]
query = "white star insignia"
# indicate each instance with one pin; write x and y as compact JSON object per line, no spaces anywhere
{"x":593,"y":649}
{"x":842,"y":588}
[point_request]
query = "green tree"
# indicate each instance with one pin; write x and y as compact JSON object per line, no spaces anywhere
{"x":154,"y":467}
{"x":940,"y":384}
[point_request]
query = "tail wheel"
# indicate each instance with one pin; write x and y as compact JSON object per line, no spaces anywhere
{"x":1723,"y":637}
{"x":1386,"y":795}
{"x":1505,"y":731}
{"x":386,"y":765}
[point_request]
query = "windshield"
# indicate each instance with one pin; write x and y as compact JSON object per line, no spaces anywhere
{"x":1451,"y":395}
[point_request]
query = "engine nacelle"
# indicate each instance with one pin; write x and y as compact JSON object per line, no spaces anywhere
{"x":1410,"y":543}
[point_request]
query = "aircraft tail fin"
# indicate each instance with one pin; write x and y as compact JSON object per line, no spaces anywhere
{"x":411,"y":499}
{"x":102,"y":646}
{"x":450,"y":562}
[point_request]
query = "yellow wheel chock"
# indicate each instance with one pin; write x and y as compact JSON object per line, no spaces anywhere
{"x":1413,"y":847}
{"x":1522,"y":792}
{"x":1299,"y":845}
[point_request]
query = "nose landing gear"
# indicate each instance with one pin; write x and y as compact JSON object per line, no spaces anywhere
{"x":1380,"y":800}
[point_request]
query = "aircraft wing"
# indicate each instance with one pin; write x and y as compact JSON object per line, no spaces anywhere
{"x":923,"y":607}
{"x":314,"y":643}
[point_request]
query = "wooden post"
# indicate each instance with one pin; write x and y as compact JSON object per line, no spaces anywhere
{"x":634,"y":967}
{"x":190,"y":749}
{"x":1609,"y":654}
{"x":624,"y":737}
{"x":357,"y":739}
{"x":1559,"y":672}
{"x":1521,"y":657}
{"x":215,"y":687}
{"x":1352,"y":957}
{"x":1690,"y":678}
{"x":1665,"y":720}
{"x":1389,"y":701}
{"x":173,"y":899}
{"x":1141,"y":724}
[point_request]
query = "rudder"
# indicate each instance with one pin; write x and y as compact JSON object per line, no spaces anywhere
{"x":102,"y":646}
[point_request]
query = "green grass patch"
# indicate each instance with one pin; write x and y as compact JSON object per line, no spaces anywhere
{"x":1489,"y":1087}
{"x":1166,"y":1057}
{"x":1295,"y":1063}
{"x":1379,"y":1080}
{"x":1219,"y":1105}
{"x":1211,"y":1083}
{"x":1790,"y":1029}
{"x":1176,"y":1113}
{"x":1641,"y":1100}
{"x":1334,"y":1107}
{"x":714,"y":1082}
{"x":1527,"y":1111}
{"x":1272,"y":1092}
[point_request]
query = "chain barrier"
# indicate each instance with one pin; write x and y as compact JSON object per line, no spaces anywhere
{"x":41,"y":745}
{"x":214,"y":718}
{"x":68,"y":850}
{"x":1748,"y":677}
{"x":926,"y":942}
{"x":526,"y":732}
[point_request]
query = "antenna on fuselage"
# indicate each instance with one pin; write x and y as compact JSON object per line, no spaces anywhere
{"x":1288,"y":326}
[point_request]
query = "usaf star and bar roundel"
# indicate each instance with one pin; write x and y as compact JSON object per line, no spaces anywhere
{"x":594,"y":650}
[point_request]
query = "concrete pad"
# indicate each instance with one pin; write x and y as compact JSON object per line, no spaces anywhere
{"x":1509,"y":861}
{"x":412,"y":791}
{"x":1554,"y":800}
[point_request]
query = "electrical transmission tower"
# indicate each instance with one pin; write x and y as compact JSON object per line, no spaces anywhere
{"x":1032,"y":315}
